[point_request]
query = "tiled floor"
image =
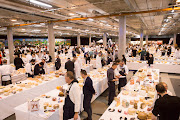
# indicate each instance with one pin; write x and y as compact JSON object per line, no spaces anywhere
{"x":100,"y":104}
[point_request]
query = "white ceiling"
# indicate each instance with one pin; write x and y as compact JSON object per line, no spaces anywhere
{"x":25,"y":12}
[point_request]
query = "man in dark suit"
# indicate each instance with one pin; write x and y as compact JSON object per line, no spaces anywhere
{"x":69,"y":65}
{"x":18,"y":62}
{"x":57,"y":62}
{"x":166,"y":107}
{"x":88,"y":92}
{"x":38,"y":69}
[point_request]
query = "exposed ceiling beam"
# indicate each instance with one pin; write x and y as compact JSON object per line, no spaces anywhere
{"x":102,"y":16}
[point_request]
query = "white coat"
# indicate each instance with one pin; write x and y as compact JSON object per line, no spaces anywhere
{"x":98,"y":62}
{"x":77,"y":69}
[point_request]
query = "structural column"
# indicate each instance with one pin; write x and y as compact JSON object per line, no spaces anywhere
{"x":174,"y":40}
{"x":141,"y":39}
{"x":10,"y":44}
{"x":51,"y":40}
{"x":146,"y":39}
{"x":78,"y":40}
{"x":90,"y":40}
{"x":104,"y":40}
{"x":122,"y":36}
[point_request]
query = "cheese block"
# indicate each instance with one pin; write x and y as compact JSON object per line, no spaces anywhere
{"x":142,"y":115}
{"x":56,"y":106}
{"x":131,"y":111}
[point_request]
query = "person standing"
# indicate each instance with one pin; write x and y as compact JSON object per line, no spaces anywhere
{"x":166,"y":107}
{"x":123,"y":72}
{"x":72,"y":103}
{"x":77,"y":67}
{"x":69,"y":65}
{"x":0,"y":58}
{"x":88,"y":91}
{"x":29,"y":67}
{"x":57,"y":62}
{"x":6,"y":71}
{"x":98,"y":61}
{"x":151,"y":60}
{"x":18,"y":62}
{"x":143,"y":54}
{"x":111,"y":83}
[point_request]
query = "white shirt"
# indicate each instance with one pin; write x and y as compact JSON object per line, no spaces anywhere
{"x":77,"y":69}
{"x":28,"y":57}
{"x":98,"y":62}
{"x":6,"y":70}
{"x":46,"y":57}
{"x":126,"y":69}
{"x":29,"y":68}
{"x":75,"y":96}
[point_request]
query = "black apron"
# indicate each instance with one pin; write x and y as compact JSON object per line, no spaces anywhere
{"x":68,"y":108}
{"x":122,"y":81}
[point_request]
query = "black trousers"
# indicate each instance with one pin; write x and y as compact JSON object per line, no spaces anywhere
{"x":122,"y":83}
{"x":112,"y":93}
{"x":87,"y":105}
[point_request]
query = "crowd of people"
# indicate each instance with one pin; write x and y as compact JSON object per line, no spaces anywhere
{"x":35,"y":59}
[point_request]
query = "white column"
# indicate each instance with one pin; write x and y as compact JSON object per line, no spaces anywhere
{"x":141,"y":39}
{"x":104,"y":40}
{"x":174,"y":40}
{"x":146,"y":39}
{"x":122,"y":36}
{"x":10,"y":44}
{"x":78,"y":40}
{"x":51,"y":40}
{"x":90,"y":40}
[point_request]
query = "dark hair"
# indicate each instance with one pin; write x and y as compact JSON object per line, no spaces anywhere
{"x":68,"y":58}
{"x":117,"y":60}
{"x":41,"y":63}
{"x":114,"y":63}
{"x":160,"y":88}
{"x":32,"y":60}
{"x":83,"y":72}
{"x":70,"y":75}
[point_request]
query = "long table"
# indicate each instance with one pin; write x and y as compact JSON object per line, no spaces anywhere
{"x":107,"y":115}
{"x":22,"y":113}
{"x":8,"y":103}
{"x":167,"y":68}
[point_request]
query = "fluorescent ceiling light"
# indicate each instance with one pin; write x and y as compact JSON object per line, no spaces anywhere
{"x":91,"y":19}
{"x":177,"y":0}
{"x":169,"y":17}
{"x":71,"y":14}
{"x":16,"y":23}
{"x":69,"y":27}
{"x":55,"y":26}
{"x":13,"y":20}
{"x":23,"y":29}
{"x":36,"y":30}
{"x":40,"y":3}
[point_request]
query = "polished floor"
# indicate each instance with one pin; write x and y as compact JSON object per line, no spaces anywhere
{"x":100,"y":104}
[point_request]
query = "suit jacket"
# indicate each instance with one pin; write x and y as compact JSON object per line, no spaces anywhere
{"x":88,"y":88}
{"x":58,"y":63}
{"x":69,"y":65}
{"x":18,"y":62}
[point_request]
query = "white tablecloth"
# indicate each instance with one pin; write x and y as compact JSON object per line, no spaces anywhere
{"x":116,"y":115}
{"x":19,"y":77}
{"x":168,"y":68}
{"x":9,"y":103}
{"x":22,"y":112}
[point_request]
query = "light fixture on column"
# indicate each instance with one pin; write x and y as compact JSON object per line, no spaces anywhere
{"x":23,"y":29}
{"x":40,"y":3}
{"x":178,"y":1}
{"x":169,"y":17}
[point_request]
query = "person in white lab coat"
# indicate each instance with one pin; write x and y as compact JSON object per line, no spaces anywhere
{"x":28,"y":57}
{"x":6,"y":71}
{"x":45,"y":56}
{"x":77,"y":68}
{"x":29,"y":67}
{"x":45,"y":65}
{"x":98,"y":61}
